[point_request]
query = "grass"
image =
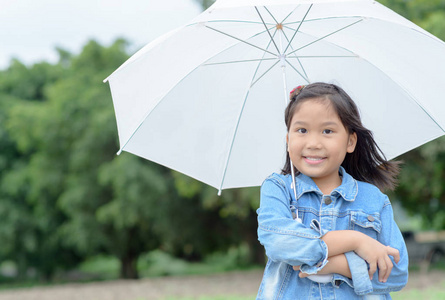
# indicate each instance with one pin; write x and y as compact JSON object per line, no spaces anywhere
{"x":415,"y":294}
{"x":153,"y":264}
{"x":158,"y":263}
{"x":102,"y":266}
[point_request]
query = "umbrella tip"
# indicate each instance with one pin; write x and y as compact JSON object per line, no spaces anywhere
{"x":219,"y":192}
{"x":119,"y":152}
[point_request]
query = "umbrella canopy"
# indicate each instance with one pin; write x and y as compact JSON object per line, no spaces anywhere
{"x":208,"y":99}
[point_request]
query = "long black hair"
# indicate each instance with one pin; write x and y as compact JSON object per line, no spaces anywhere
{"x":367,"y":162}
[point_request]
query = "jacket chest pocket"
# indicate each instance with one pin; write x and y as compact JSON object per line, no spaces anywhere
{"x":369,"y":224}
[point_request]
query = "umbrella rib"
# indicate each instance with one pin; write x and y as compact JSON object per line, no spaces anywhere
{"x":259,"y":64}
{"x":304,"y":77}
{"x":298,"y":57}
{"x":267,"y":71}
{"x":343,"y":28}
{"x":238,"y":39}
{"x":282,"y":22}
{"x":228,"y":21}
{"x":336,"y":45}
{"x":301,"y":65}
{"x":260,"y":59}
{"x":271,"y":14}
{"x":322,"y":19}
{"x":233,"y":21}
{"x":323,"y":56}
{"x":299,"y":25}
{"x":239,"y":61}
{"x":267,"y":29}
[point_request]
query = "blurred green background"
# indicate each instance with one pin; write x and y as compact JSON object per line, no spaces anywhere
{"x":70,"y":209}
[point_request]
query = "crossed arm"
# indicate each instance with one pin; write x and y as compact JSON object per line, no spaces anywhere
{"x":371,"y":250}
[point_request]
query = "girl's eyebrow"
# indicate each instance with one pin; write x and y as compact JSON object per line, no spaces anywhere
{"x":330,"y":123}
{"x":299,"y":123}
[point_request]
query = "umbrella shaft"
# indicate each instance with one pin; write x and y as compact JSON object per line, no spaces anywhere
{"x":283,"y":65}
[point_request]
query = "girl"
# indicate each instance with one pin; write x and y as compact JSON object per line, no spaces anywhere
{"x":332,"y":219}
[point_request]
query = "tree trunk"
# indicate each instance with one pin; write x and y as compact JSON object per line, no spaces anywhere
{"x":129,"y":267}
{"x":257,"y":252}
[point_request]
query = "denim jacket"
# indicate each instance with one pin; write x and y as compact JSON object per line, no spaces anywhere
{"x":354,"y":205}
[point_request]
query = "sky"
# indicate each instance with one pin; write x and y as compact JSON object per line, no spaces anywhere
{"x":30,"y":30}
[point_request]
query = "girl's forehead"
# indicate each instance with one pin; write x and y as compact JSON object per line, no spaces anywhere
{"x":315,"y":112}
{"x":313,"y":102}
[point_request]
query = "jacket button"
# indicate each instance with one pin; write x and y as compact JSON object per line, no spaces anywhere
{"x":327,"y":200}
{"x":370,"y":218}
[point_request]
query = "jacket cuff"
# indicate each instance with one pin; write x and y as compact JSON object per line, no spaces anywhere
{"x":311,"y":270}
{"x":359,"y":270}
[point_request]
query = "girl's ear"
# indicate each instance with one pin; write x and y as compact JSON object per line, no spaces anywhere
{"x":352,"y":142}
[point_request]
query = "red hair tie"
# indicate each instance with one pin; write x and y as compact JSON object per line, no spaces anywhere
{"x":300,"y":87}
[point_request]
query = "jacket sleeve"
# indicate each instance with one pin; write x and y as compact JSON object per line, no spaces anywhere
{"x":390,"y":235}
{"x":285,"y":239}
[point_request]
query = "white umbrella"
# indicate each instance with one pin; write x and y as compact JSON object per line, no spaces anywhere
{"x":208,"y":99}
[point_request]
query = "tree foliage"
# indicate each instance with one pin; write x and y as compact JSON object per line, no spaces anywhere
{"x":61,"y":139}
{"x":65,"y":195}
{"x":422,"y":183}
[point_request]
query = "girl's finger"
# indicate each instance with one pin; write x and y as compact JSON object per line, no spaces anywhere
{"x":383,"y":268}
{"x":394,"y":253}
{"x":372,"y":269}
{"x":296,"y":268}
{"x":389,"y":265}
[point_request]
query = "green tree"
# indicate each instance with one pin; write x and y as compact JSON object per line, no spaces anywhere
{"x":68,"y":143}
{"x":16,"y":230}
{"x":422,"y":183}
{"x":76,"y":140}
{"x":27,"y":227}
{"x":211,"y":222}
{"x":28,"y":83}
{"x":68,"y":196}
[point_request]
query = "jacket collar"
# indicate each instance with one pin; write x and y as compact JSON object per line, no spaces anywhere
{"x":347,"y":190}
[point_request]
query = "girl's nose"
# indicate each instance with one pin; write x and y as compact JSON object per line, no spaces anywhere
{"x":313,"y":142}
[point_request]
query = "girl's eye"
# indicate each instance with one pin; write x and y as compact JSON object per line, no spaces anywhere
{"x":327,"y":131}
{"x":301,"y":130}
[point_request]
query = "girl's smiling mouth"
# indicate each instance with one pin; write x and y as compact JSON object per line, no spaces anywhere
{"x":313,"y":160}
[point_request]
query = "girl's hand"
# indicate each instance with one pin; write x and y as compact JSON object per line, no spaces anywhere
{"x":336,"y":264}
{"x":304,"y":275}
{"x":377,"y":256}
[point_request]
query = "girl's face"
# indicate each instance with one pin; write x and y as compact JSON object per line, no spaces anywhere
{"x":318,"y":142}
